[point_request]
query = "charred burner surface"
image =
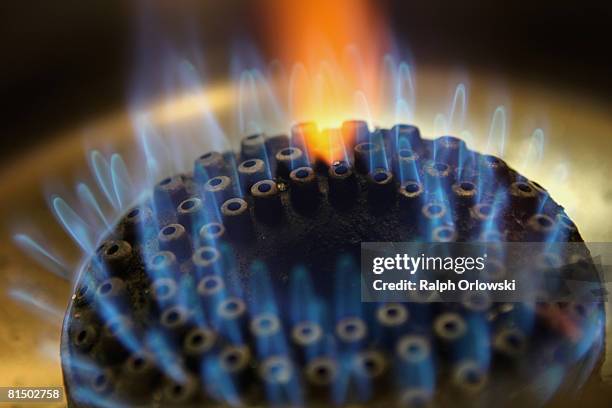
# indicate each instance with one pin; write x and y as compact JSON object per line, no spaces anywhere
{"x":232,"y":285}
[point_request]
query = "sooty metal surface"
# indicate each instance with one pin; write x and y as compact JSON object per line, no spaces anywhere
{"x":238,"y":284}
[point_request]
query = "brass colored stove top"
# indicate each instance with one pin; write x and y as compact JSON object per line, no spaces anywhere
{"x":578,"y":134}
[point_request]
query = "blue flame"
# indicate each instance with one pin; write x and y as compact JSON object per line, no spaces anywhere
{"x":165,"y":355}
{"x":37,"y":303}
{"x":48,"y":260}
{"x":87,"y":197}
{"x":121,"y":181}
{"x":496,"y":142}
{"x":406,"y":93}
{"x":458,"y":109}
{"x":250,"y":116}
{"x":78,"y":229}
{"x":304,"y":303}
{"x":219,"y":383}
{"x":102,"y":172}
{"x":535,"y":150}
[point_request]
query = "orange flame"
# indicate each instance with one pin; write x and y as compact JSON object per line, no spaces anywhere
{"x":337,"y":47}
{"x":316,"y":30}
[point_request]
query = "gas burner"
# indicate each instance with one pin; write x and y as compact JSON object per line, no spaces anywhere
{"x":234,"y":284}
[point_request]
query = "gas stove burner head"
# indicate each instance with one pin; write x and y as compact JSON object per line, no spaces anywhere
{"x":222,"y":288}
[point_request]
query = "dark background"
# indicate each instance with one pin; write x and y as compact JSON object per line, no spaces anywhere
{"x":65,"y":61}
